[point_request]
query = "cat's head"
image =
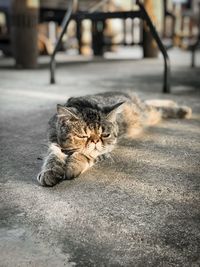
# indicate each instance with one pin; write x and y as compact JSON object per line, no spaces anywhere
{"x":90,"y":132}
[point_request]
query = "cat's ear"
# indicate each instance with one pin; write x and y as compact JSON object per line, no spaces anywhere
{"x":66,"y":112}
{"x":113,"y":111}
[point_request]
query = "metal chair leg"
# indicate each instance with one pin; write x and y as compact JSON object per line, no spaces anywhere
{"x":193,"y":51}
{"x":166,"y":83}
{"x":64,"y":25}
{"x":193,"y":58}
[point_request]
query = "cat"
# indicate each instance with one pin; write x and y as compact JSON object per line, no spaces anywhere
{"x":85,"y":129}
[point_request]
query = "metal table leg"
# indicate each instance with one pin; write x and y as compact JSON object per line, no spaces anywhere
{"x":166,"y":84}
{"x":193,"y":51}
{"x":64,"y":25}
{"x":144,"y":16}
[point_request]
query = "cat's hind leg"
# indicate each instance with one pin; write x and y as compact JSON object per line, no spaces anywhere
{"x":169,"y":108}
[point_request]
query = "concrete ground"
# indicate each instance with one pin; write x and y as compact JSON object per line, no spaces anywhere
{"x":140,"y":209}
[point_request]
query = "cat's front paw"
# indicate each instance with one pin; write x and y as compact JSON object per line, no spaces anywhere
{"x":104,"y":157}
{"x":49,"y":178}
{"x":72,"y":172}
{"x":76,"y":164}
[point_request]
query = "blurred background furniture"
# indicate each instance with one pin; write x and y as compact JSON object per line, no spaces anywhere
{"x":98,"y":20}
{"x":176,"y":21}
{"x":26,"y":16}
{"x":182,"y":25}
{"x":95,"y":27}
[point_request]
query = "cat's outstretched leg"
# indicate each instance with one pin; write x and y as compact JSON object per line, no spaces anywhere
{"x":53,"y":169}
{"x":59,"y":166}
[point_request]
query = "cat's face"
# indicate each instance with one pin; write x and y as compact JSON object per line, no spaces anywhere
{"x":92,"y":134}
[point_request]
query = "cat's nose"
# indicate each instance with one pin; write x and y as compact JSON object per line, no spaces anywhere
{"x":95,"y":139}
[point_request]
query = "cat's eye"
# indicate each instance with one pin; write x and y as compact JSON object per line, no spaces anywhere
{"x":105,"y":135}
{"x":82,"y":136}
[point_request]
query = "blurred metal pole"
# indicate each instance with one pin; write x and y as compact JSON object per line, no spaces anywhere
{"x":97,"y":37}
{"x":24,"y":32}
{"x":166,"y":84}
{"x":64,"y":25}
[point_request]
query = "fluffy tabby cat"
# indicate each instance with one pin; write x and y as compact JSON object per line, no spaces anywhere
{"x":86,"y":128}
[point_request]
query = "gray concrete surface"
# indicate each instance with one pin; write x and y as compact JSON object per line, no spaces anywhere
{"x":140,"y":209}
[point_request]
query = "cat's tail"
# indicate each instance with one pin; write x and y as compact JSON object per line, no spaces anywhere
{"x":167,"y":109}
